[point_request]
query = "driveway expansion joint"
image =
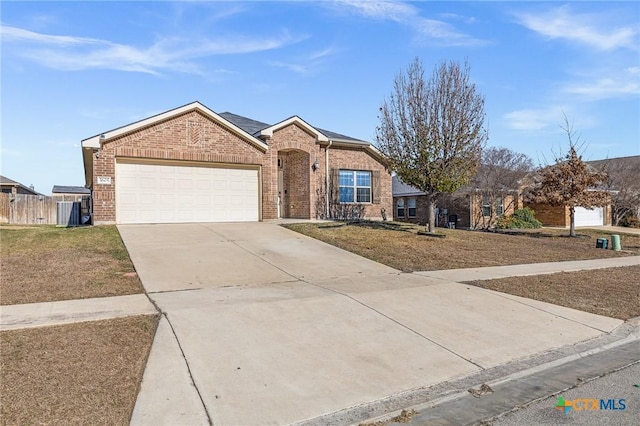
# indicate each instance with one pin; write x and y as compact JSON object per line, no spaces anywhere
{"x":302,"y":279}
{"x":186,"y":361}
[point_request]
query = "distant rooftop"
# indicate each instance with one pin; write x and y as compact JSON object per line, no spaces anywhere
{"x":399,"y":188}
{"x":6,"y":182}
{"x":63,"y":189}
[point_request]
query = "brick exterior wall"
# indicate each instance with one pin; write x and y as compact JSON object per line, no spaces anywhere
{"x":359,"y":159}
{"x":455,"y":204}
{"x":195,"y":137}
{"x":551,"y":215}
{"x":560,"y":216}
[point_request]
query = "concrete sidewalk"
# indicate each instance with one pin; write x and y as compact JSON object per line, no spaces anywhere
{"x":30,"y":315}
{"x":272,"y":327}
{"x":493,"y":272}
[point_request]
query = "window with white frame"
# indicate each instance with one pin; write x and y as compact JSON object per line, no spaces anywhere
{"x":486,"y":206}
{"x":400,"y":207}
{"x":411,"y":207}
{"x":355,"y":186}
{"x":499,"y":206}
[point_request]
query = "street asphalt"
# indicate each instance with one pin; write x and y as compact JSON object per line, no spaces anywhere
{"x":622,"y":386}
{"x":529,"y":397}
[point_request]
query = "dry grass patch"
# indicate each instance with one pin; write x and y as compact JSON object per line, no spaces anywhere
{"x":47,"y":263}
{"x":612,"y":292}
{"x":84,"y":373}
{"x":398,"y":245}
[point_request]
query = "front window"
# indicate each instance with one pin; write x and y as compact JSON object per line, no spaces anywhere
{"x":355,"y":186}
{"x":499,"y":206}
{"x":400,"y":207}
{"x":486,"y":206}
{"x":411,"y":204}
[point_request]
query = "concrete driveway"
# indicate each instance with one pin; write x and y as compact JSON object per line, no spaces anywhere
{"x":278,"y":328}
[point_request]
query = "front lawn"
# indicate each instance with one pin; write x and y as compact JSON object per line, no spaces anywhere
{"x":612,"y":292}
{"x":85,"y":373}
{"x":47,"y":263}
{"x":398,"y":245}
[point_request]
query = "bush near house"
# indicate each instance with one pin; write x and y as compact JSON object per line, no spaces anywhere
{"x":630,"y":222}
{"x":520,"y":219}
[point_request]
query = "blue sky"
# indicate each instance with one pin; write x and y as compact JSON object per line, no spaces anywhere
{"x":71,"y":70}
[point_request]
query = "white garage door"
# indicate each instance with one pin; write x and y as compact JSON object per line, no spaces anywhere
{"x":586,"y":217}
{"x":163,"y":193}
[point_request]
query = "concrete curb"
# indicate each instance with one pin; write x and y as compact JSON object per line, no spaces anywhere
{"x":453,"y":391}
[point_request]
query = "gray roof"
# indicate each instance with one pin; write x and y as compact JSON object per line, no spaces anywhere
{"x":62,"y":189}
{"x":248,"y":125}
{"x":400,"y":189}
{"x":334,"y":135}
{"x":5,"y":181}
{"x":631,"y":163}
{"x":253,"y":127}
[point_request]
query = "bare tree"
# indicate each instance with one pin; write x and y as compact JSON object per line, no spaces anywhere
{"x":497,"y":180}
{"x":570,"y":182}
{"x":432,"y":131}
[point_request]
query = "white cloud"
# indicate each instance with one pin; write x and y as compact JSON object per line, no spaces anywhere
{"x":299,"y":68}
{"x":633,"y":71}
{"x":607,"y":82}
{"x":307,"y":63}
{"x":167,"y":53}
{"x":8,"y":152}
{"x":381,"y":9}
{"x":9,"y":34}
{"x":406,"y":14}
{"x":590,"y":29}
{"x":534,"y":119}
{"x":605,"y":88}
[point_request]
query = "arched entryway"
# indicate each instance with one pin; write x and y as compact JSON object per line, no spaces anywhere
{"x":294,"y":198}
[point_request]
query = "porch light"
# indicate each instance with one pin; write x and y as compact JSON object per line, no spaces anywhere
{"x":315,"y":165}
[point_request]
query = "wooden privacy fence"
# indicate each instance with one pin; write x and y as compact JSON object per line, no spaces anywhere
{"x":28,"y":209}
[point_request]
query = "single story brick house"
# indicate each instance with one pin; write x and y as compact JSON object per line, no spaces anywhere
{"x":191,"y":164}
{"x":466,"y":209}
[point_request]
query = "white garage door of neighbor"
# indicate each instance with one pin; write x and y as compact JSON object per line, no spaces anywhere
{"x":162,"y":193}
{"x":586,"y":217}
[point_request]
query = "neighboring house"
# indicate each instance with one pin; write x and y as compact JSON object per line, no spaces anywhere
{"x":191,"y":164}
{"x":623,"y":181}
{"x":559,"y":215}
{"x":467,"y":208}
{"x":9,"y":186}
{"x":70,"y":193}
{"x":20,"y":204}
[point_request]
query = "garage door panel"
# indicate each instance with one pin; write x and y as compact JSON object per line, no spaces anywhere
{"x":154,"y":193}
{"x":589,"y":217}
